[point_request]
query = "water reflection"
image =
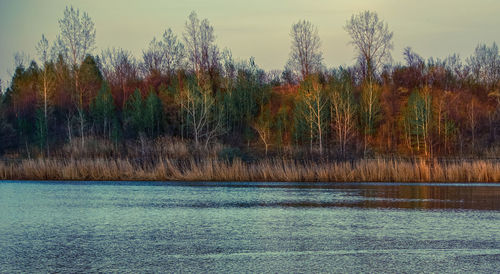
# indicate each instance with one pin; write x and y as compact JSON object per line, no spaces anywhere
{"x":248,"y":227}
{"x":362,"y":195}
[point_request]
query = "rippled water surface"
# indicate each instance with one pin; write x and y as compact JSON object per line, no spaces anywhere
{"x":248,"y":227}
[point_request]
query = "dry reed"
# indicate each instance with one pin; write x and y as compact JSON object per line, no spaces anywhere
{"x":165,"y":169}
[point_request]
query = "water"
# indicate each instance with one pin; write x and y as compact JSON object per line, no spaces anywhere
{"x":248,"y":227}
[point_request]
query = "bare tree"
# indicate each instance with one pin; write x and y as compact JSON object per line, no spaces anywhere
{"x":153,"y":58}
{"x":119,"y":67}
{"x":372,"y":40}
{"x":305,"y":53}
{"x":77,"y":39}
{"x":202,"y":53}
{"x":485,"y":65}
{"x":173,"y":52}
{"x":163,"y":56}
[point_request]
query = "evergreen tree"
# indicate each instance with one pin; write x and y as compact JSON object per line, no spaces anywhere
{"x":153,"y":113}
{"x":102,"y":110}
{"x":134,"y":114}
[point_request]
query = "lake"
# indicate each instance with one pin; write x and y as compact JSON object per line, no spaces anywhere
{"x":248,"y":227}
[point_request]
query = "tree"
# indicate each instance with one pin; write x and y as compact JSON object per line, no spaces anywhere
{"x":263,"y":126}
{"x":134,"y":113}
{"x":485,"y":65}
{"x":153,"y":111}
{"x":173,"y":52}
{"x":418,"y":121}
{"x":305,"y":54}
{"x":344,"y":110}
{"x":203,"y":116}
{"x":153,"y":58}
{"x":77,"y":39}
{"x":164,"y":56}
{"x":313,"y":101}
{"x":102,"y":110}
{"x":372,"y":40}
{"x":369,"y":110}
{"x":47,"y":75}
{"x":202,"y":53}
{"x":243,"y":101}
{"x":119,"y":69}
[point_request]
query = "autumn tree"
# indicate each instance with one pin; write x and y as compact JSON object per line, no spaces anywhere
{"x":305,"y":52}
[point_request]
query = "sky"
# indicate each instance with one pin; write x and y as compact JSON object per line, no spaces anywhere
{"x":258,"y":28}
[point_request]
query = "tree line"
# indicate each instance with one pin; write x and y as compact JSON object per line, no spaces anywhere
{"x":186,"y":87}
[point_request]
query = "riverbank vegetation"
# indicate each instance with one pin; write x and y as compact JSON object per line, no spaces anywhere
{"x":187,"y":110}
{"x":266,"y":170}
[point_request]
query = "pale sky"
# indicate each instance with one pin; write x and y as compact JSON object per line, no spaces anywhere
{"x":258,"y":28}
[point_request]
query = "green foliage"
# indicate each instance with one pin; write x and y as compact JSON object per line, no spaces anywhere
{"x":116,"y":130}
{"x":102,"y":110}
{"x":418,"y":119}
{"x":243,"y":103}
{"x":134,"y":114}
{"x":153,"y":113}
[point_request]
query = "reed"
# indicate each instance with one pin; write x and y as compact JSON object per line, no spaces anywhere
{"x":211,"y":169}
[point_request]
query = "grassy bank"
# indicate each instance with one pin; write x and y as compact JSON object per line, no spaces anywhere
{"x":266,"y":170}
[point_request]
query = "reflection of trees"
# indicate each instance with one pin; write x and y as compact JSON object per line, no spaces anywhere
{"x":430,"y":197}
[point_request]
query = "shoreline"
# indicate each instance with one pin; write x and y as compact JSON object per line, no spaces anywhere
{"x":273,"y":170}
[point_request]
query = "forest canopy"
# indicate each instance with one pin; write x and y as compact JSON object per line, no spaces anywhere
{"x":186,"y":88}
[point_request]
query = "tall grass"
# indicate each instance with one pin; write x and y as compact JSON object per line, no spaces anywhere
{"x":265,"y":170}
